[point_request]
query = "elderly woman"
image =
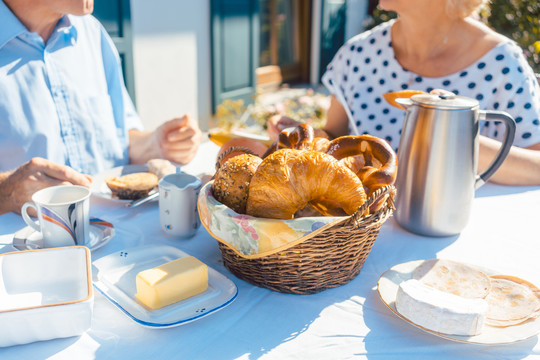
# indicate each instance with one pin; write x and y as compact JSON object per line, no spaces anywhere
{"x":437,"y":45}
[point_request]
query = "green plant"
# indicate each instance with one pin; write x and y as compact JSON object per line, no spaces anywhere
{"x":305,"y":106}
{"x":519,"y":20}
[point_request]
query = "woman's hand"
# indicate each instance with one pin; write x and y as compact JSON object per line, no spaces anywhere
{"x":17,"y":187}
{"x":336,"y":123}
{"x":278,"y":123}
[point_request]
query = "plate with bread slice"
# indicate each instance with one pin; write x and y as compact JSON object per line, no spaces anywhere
{"x":131,"y":182}
{"x":124,"y":183}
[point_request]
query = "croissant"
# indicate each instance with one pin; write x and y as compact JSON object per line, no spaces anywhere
{"x":287,"y":180}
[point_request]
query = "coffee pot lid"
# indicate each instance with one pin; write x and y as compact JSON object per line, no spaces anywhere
{"x":444,"y":101}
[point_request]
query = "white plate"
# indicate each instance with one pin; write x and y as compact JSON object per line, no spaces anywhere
{"x":99,"y":186}
{"x":250,"y":135}
{"x":116,"y":275}
{"x":29,"y":239}
{"x":389,"y":283}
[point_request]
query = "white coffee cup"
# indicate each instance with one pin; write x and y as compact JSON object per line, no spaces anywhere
{"x":178,"y":204}
{"x":63,"y":215}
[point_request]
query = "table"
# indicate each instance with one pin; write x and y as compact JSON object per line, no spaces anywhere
{"x":341,"y":323}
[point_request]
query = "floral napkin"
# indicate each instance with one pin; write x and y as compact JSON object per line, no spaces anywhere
{"x":252,"y":236}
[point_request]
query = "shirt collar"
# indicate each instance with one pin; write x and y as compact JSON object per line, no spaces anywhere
{"x":65,"y":26}
{"x":10,"y":26}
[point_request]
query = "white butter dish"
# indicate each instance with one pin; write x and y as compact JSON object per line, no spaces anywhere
{"x":115,"y":279}
{"x":45,"y":294}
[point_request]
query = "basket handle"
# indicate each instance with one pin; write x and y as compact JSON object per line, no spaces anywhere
{"x":387,"y":190}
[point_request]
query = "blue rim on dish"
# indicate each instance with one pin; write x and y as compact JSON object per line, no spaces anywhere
{"x":115,"y":274}
{"x":158,"y":325}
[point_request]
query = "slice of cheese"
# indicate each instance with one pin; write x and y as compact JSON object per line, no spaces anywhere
{"x":440,"y":311}
{"x":171,"y":282}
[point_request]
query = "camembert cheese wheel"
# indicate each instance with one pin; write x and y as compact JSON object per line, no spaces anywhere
{"x":440,"y":311}
{"x":171,"y":282}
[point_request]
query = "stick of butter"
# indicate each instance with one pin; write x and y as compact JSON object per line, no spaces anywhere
{"x":171,"y":282}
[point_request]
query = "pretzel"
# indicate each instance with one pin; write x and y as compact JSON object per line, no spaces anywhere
{"x":301,"y":138}
{"x":379,"y":159}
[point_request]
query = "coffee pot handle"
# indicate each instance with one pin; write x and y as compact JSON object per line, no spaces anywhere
{"x":509,"y":135}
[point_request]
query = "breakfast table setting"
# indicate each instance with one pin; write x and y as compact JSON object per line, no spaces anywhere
{"x":227,"y":290}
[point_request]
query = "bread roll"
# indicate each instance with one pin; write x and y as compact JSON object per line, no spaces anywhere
{"x":231,"y":182}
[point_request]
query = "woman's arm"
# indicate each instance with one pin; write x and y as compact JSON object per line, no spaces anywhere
{"x":521,"y":167}
{"x":337,"y":123}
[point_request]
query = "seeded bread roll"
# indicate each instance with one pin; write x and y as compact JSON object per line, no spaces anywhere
{"x":132,"y":186}
{"x":231,"y":182}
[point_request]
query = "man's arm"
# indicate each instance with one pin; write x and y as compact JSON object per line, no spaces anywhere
{"x":17,"y":187}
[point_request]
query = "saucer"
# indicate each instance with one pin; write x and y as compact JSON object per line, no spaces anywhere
{"x":29,"y":239}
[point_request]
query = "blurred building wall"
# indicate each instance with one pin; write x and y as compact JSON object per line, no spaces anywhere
{"x":171,"y":55}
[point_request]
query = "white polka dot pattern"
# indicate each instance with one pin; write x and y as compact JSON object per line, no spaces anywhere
{"x":365,"y":68}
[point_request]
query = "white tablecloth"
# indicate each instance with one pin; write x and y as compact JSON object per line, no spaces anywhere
{"x":341,"y":323}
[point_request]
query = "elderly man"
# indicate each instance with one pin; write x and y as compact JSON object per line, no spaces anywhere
{"x":64,"y":111}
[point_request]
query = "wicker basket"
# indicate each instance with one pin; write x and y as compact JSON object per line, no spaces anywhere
{"x":321,"y":261}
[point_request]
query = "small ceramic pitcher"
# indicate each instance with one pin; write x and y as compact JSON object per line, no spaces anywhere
{"x":178,"y":204}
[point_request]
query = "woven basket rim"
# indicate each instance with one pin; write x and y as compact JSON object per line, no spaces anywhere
{"x":357,"y":217}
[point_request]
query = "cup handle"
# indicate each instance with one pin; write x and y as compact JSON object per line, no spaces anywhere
{"x":509,"y":135}
{"x":27,"y":219}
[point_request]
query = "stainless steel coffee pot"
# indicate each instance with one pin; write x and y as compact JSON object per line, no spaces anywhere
{"x":438,"y":158}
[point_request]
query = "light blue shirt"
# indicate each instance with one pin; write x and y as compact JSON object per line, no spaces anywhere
{"x":64,"y":100}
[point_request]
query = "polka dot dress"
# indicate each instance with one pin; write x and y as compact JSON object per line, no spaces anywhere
{"x":365,"y":68}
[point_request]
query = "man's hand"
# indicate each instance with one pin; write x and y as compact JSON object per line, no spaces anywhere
{"x":179,"y":139}
{"x":17,"y":187}
{"x":176,"y":140}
